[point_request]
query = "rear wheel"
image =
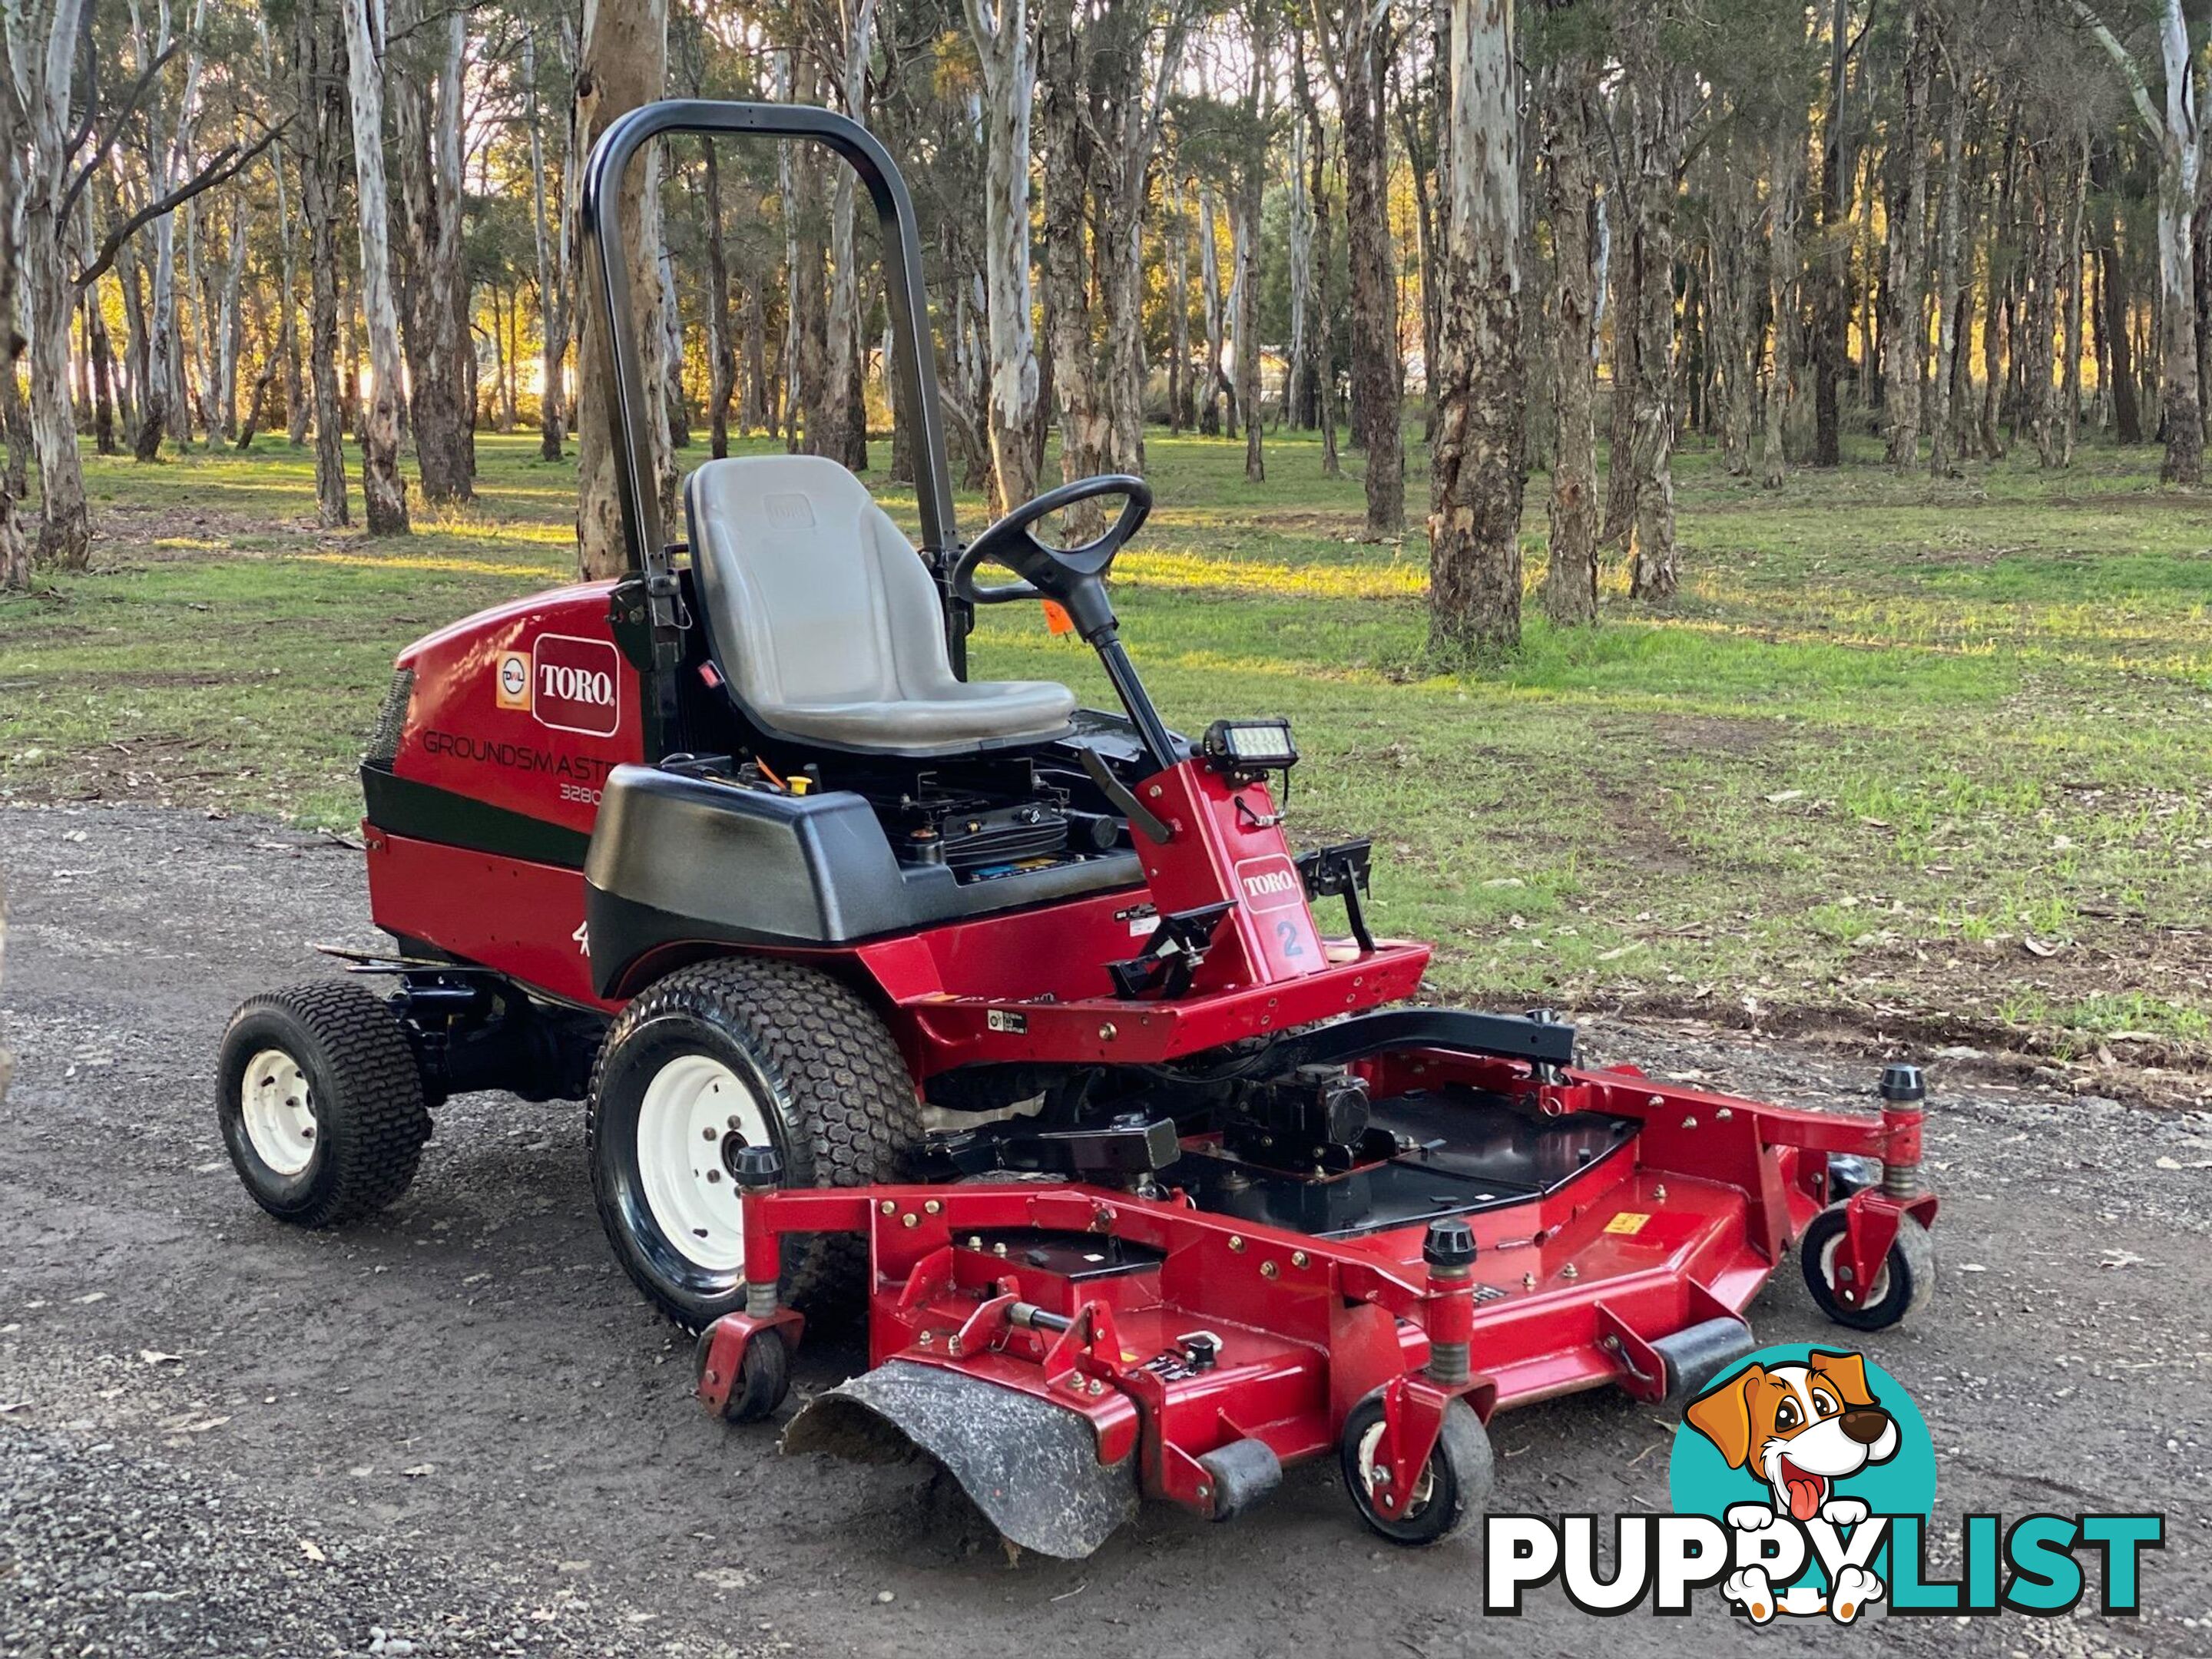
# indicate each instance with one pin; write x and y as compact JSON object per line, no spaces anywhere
{"x":723,"y":1055}
{"x":320,"y":1101}
{"x":1449,"y":1496}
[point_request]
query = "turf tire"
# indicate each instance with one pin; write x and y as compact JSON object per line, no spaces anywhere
{"x":366,"y":1090}
{"x":839,"y":1104}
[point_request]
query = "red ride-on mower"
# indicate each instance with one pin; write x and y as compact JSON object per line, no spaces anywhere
{"x":1009,"y":1022}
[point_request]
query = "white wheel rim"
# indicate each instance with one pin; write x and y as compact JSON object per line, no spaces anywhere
{"x":1423,"y":1488}
{"x":1871,"y":1297}
{"x":694,"y":1104}
{"x":278,"y":1110}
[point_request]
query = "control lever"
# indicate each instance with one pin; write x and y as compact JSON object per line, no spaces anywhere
{"x":1125,"y":801}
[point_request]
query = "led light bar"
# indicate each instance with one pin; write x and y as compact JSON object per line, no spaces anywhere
{"x":1262,"y":745}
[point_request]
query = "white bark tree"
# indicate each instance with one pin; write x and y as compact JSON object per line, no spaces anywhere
{"x":2174,"y":133}
{"x":385,"y":492}
{"x":624,"y":63}
{"x":846,"y":440}
{"x":44,"y":39}
{"x":1001,"y":31}
{"x":1480,"y":391}
{"x":428,"y":88}
{"x":15,"y":549}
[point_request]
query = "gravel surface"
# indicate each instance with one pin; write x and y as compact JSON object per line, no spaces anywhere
{"x":457,"y":1430}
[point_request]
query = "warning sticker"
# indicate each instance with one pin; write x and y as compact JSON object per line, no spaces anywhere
{"x":1628,"y":1221}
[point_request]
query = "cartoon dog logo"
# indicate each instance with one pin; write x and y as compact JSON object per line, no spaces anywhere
{"x":1799,"y":1429}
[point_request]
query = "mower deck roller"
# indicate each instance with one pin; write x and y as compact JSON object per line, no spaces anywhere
{"x":1017,"y":1026}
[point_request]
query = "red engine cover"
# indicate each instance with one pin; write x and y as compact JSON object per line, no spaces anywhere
{"x":528,"y":707}
{"x":523,"y":710}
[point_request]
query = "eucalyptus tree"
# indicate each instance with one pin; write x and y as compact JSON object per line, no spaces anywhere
{"x":1000,"y":29}
{"x":1476,"y":469}
{"x":2175,"y":132}
{"x":1352,"y":35}
{"x":383,"y":491}
{"x":624,"y":64}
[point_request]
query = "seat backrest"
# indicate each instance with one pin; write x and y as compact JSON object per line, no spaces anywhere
{"x":811,"y":595}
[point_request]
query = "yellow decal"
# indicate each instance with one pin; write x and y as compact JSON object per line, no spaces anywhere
{"x":1628,"y":1221}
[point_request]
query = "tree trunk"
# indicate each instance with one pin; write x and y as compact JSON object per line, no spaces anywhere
{"x":2180,"y":143}
{"x":15,"y":548}
{"x":1993,"y":331}
{"x":1179,"y":415}
{"x":1214,"y":384}
{"x":229,"y":328}
{"x":1000,"y":31}
{"x":1832,"y":301}
{"x":1950,"y":241}
{"x":1078,"y":388}
{"x":1655,"y":87}
{"x":50,"y":297}
{"x":1908,"y":215}
{"x":1732,"y":357}
{"x":1784,"y":206}
{"x":384,"y":490}
{"x":624,"y":63}
{"x":1475,"y":474}
{"x":1298,"y":372}
{"x":2119,"y":343}
{"x":426,"y":95}
{"x":322,"y":119}
{"x":1244,"y":224}
{"x":98,"y":348}
{"x":1378,"y":365}
{"x":669,"y":335}
{"x":296,"y":410}
{"x":1324,"y":346}
{"x":752,"y":406}
{"x":2037,"y":361}
{"x":721,"y":354}
{"x":1570,"y":187}
{"x":847,"y":435}
{"x":552,"y":286}
{"x":2070,"y":379}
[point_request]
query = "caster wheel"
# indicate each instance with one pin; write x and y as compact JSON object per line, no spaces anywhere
{"x":1906,"y":1283}
{"x":1454,"y":1487}
{"x":320,"y":1102}
{"x":763,"y":1376}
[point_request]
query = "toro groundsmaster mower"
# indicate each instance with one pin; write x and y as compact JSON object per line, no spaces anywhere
{"x":1008,"y":1022}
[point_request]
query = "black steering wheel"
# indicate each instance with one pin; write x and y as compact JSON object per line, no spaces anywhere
{"x":1072,"y":577}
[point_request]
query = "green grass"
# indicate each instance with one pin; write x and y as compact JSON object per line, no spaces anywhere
{"x":1900,"y":750}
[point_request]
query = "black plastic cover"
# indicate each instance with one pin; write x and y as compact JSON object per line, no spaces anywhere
{"x":677,"y":860}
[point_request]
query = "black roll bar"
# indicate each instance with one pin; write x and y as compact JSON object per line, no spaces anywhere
{"x":916,"y":358}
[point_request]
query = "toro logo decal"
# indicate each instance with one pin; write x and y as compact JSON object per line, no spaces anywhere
{"x":575,"y":684}
{"x":1270,"y":884}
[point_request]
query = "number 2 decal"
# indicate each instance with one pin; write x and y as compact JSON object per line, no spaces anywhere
{"x":1286,"y":933}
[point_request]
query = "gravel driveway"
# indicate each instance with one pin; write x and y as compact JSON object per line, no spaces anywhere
{"x":457,"y":1430}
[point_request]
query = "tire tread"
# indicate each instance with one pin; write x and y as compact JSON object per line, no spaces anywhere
{"x":377,"y":1123}
{"x":840,"y":1073}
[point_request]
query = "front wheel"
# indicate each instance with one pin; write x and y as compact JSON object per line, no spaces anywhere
{"x":1451,"y":1491}
{"x":1904,"y":1284}
{"x":713,"y":1059}
{"x":319,"y":1098}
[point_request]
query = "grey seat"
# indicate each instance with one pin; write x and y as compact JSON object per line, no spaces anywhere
{"x":826,"y":624}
